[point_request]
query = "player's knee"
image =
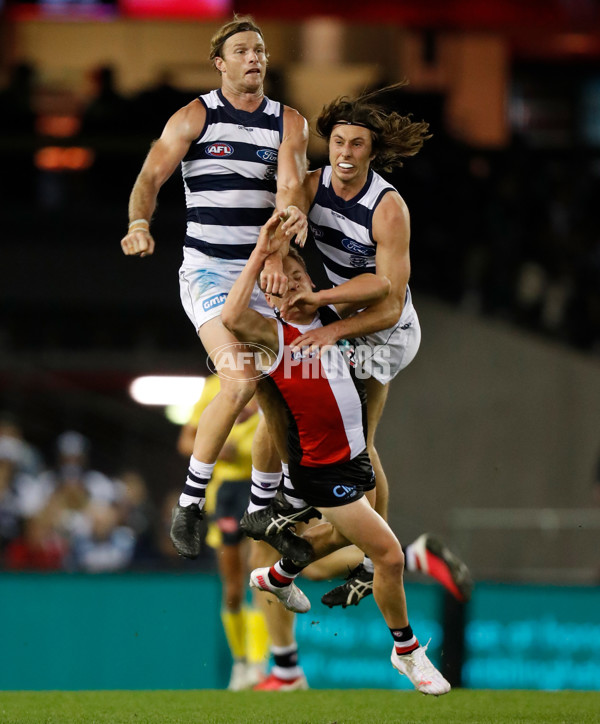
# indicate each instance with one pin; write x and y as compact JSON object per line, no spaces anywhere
{"x":396,"y":560}
{"x":237,"y":393}
{"x":390,"y":558}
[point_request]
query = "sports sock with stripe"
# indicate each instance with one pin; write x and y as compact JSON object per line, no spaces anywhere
{"x":198,"y":477}
{"x":289,"y":492}
{"x":283,"y":572}
{"x":404,"y":640}
{"x":263,"y":489}
{"x":285,"y":660}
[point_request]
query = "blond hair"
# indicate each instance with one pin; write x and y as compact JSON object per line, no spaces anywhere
{"x":297,"y":256}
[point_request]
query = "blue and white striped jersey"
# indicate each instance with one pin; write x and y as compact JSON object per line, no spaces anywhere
{"x":230,"y":176}
{"x":343,"y":230}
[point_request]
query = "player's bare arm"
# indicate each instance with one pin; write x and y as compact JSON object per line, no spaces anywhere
{"x":163,"y":158}
{"x":246,"y":324}
{"x":391,"y":231}
{"x":290,"y":201}
{"x":310,"y":187}
{"x":349,"y":297}
{"x":291,"y":170}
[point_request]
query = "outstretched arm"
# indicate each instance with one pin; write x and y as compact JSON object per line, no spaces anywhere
{"x":291,"y":170}
{"x":163,"y":158}
{"x":290,"y":200}
{"x":246,"y":324}
{"x":349,"y":297}
{"x":391,"y":230}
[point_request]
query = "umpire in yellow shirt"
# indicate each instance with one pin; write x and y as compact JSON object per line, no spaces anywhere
{"x":226,"y":500}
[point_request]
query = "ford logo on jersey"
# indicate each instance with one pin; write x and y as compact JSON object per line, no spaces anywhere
{"x":215,"y":301}
{"x":354,"y":247}
{"x":219,"y":150}
{"x":268,"y":155}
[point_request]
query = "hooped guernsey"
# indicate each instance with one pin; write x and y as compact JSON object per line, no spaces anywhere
{"x":230,"y":176}
{"x":343,"y":233}
{"x":343,"y":230}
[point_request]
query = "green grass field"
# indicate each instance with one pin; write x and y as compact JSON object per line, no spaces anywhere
{"x":305,"y":707}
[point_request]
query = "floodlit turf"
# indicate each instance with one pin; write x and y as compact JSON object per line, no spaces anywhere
{"x":302,"y":707}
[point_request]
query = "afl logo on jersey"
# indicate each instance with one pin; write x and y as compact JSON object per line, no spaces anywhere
{"x":268,"y":155}
{"x":219,"y":150}
{"x":355,"y":248}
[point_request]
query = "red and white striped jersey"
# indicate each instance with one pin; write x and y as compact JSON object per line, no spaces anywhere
{"x":326,"y":404}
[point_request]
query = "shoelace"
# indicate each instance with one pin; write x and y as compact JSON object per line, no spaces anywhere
{"x":280,"y":522}
{"x":290,"y":593}
{"x":423,"y":664}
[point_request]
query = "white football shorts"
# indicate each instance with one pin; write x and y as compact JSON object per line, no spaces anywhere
{"x":383,"y":354}
{"x":205,"y":281}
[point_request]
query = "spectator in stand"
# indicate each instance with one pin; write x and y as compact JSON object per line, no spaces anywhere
{"x":137,"y":512}
{"x":39,"y":548}
{"x":104,"y":546}
{"x":30,"y":460}
{"x":21,"y":495}
{"x":75,"y":485}
{"x":73,"y":469}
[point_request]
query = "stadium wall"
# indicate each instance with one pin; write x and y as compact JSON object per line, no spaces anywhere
{"x":489,"y":418}
{"x":163,"y":631}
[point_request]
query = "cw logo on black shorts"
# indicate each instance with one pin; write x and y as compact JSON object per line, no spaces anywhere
{"x":344,"y":491}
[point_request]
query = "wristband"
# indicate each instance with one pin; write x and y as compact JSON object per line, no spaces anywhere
{"x":137,"y":222}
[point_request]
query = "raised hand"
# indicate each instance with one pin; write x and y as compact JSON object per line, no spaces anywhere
{"x":295,"y":224}
{"x":138,"y":242}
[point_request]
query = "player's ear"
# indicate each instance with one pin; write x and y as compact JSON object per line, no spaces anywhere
{"x":220,"y":64}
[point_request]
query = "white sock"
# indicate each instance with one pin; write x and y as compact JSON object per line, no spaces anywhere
{"x":198,"y":477}
{"x":263,"y":489}
{"x":286,"y":662}
{"x":288,"y":490}
{"x":410,"y":558}
{"x":368,"y":564}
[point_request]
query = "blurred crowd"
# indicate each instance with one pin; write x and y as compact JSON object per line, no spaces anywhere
{"x":70,"y":517}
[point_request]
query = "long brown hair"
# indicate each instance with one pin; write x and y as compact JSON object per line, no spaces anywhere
{"x":393,"y":136}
